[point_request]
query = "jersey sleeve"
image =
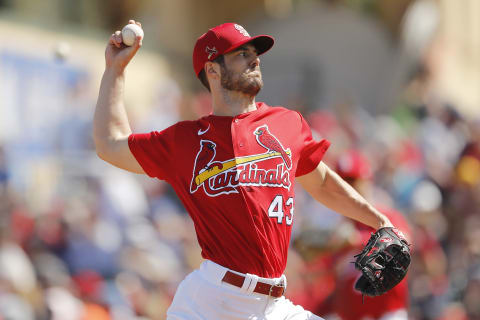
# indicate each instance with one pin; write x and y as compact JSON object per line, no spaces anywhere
{"x":154,"y":151}
{"x":311,"y":151}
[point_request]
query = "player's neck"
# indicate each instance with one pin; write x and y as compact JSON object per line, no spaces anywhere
{"x":232,"y":103}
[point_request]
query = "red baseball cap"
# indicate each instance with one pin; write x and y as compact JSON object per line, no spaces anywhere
{"x":353,"y":165}
{"x":223,"y":39}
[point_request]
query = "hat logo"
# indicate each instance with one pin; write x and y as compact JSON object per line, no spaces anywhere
{"x":241,"y":30}
{"x":211,"y":51}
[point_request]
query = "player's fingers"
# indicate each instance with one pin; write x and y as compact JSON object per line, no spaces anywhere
{"x":117,"y":37}
{"x":131,"y":21}
{"x":134,"y":48}
{"x":138,"y":41}
{"x":113,"y":41}
{"x":136,"y":45}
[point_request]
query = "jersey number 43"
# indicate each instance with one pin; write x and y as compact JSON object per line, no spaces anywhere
{"x":276,"y":209}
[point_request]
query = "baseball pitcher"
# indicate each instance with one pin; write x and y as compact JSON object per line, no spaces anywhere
{"x":235,"y":172}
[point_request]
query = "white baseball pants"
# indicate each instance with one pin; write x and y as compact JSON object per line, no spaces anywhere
{"x":203,"y":296}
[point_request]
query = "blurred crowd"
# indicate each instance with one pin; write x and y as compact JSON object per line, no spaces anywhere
{"x":82,"y":240}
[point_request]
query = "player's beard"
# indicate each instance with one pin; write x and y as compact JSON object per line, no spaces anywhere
{"x":241,"y":82}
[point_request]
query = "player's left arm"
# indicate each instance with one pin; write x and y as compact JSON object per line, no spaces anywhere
{"x":327,"y":187}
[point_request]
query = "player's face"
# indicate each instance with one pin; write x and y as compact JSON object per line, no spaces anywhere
{"x":241,"y":71}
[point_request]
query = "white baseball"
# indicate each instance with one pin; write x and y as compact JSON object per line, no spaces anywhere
{"x":130,"y":32}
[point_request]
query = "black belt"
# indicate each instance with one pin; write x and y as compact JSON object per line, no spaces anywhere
{"x":261,"y":287}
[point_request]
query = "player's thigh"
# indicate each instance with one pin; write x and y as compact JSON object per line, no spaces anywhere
{"x":198,"y":298}
{"x":284,"y":309}
{"x":184,"y":305}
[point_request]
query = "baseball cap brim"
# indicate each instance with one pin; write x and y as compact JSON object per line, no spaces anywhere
{"x":223,"y":39}
{"x":262,"y":43}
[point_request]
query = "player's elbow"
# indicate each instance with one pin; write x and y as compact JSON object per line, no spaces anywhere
{"x":106,"y":152}
{"x":116,"y":151}
{"x":102,"y":148}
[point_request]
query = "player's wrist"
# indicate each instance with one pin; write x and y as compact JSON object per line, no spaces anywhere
{"x":384,"y":223}
{"x":114,"y":71}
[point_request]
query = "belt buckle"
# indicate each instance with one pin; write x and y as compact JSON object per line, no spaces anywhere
{"x":276,"y":286}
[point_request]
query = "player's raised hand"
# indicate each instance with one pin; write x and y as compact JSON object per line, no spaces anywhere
{"x":117,"y":54}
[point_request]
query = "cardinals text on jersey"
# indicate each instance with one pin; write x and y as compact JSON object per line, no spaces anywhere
{"x":222,"y":177}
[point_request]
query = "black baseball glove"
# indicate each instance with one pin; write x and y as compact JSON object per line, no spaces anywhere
{"x":383,"y":262}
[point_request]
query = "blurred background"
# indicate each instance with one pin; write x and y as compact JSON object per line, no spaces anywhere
{"x":395,"y":81}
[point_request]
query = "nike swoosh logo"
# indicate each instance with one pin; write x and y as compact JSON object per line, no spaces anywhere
{"x":200,"y":131}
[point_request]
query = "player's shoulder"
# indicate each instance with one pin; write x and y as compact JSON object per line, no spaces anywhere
{"x":185,"y":124}
{"x":180,"y":128}
{"x":195,"y":128}
{"x":280,"y":110}
{"x":272,"y":108}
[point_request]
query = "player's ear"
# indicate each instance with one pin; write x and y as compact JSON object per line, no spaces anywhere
{"x":212,"y":69}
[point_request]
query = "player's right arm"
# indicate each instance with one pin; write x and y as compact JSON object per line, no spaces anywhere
{"x":111,"y":128}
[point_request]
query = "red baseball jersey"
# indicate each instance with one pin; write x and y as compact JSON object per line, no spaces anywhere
{"x":235,"y":176}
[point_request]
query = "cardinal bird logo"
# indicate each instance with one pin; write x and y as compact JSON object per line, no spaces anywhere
{"x":211,"y":51}
{"x":267,"y":140}
{"x":204,"y":161}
